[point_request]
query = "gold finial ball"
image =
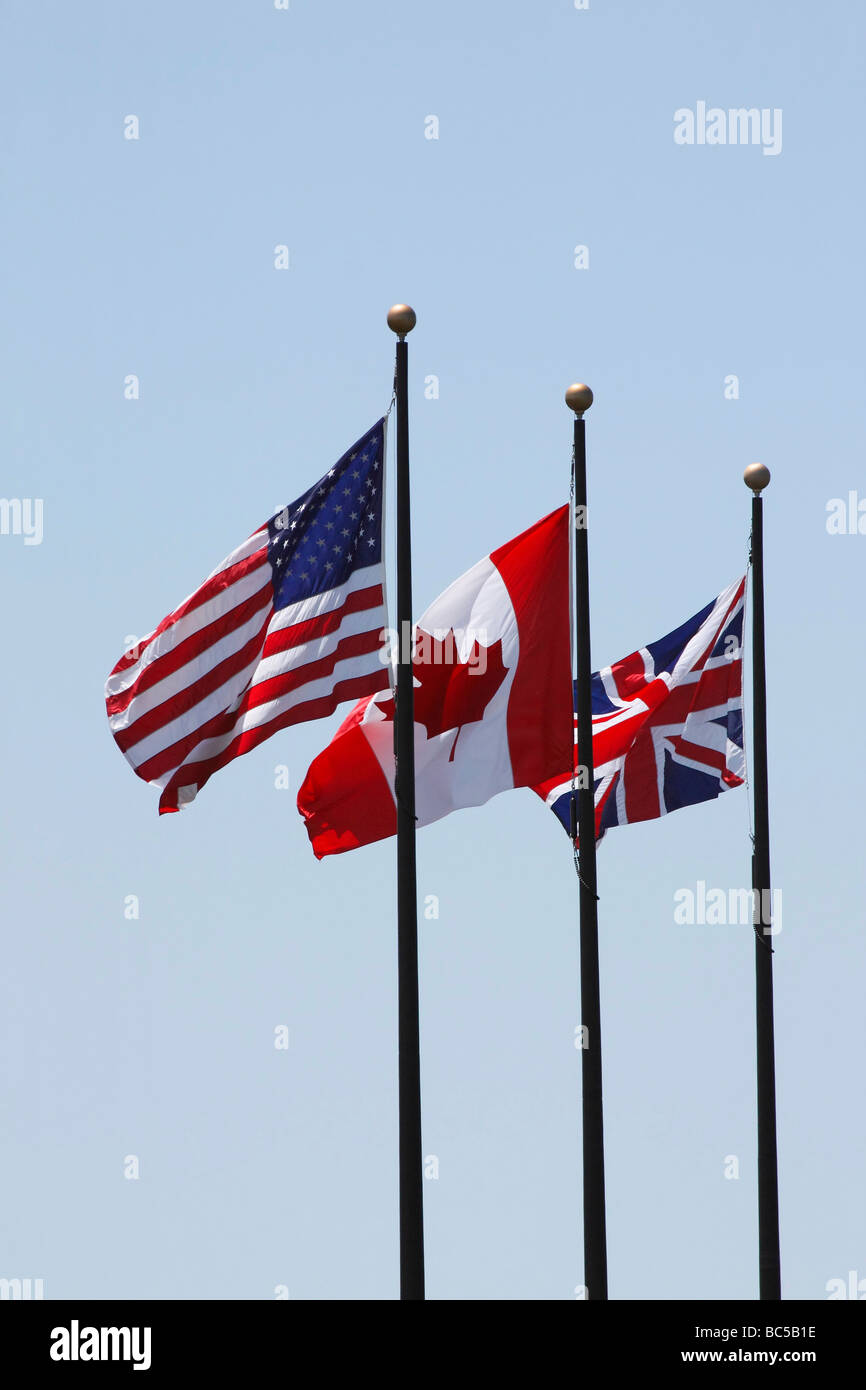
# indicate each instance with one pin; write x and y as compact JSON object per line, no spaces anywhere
{"x":756,"y":476}
{"x":401,"y":319}
{"x":578,"y":398}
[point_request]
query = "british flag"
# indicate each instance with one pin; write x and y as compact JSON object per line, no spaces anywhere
{"x":667,"y":722}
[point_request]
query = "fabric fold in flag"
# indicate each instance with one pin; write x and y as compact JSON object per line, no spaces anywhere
{"x":492,"y":700}
{"x":288,"y":627}
{"x":667,"y":722}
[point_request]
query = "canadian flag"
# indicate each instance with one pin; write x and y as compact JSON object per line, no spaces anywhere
{"x":493,"y":700}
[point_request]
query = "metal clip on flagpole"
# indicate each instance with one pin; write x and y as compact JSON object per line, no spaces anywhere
{"x":401,"y":320}
{"x":756,"y":477}
{"x":579,"y":399}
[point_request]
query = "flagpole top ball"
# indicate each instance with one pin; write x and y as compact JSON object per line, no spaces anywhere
{"x":578,"y":398}
{"x":401,"y":319}
{"x":756,"y":476}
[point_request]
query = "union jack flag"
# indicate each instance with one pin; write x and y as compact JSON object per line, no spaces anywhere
{"x":667,"y":722}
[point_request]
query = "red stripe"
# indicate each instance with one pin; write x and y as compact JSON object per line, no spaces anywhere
{"x":612,"y":740}
{"x":697,"y":753}
{"x":191,"y":647}
{"x":731,"y":779}
{"x":629,"y":676}
{"x":641,"y":782}
{"x":358,"y":644}
{"x":283,"y":638}
{"x":208,"y":590}
{"x":200,"y":773}
{"x":715,"y":687}
{"x":222,"y":722}
{"x":173,"y":756}
{"x":184,"y":700}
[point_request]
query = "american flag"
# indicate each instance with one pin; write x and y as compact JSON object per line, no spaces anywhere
{"x":667,"y":722}
{"x":285,"y":629}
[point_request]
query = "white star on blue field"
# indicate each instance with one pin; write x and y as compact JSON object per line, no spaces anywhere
{"x":332,"y":529}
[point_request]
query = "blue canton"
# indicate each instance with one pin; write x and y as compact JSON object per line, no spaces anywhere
{"x":335,"y":528}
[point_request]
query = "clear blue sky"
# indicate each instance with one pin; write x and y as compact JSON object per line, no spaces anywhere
{"x":155,"y":257}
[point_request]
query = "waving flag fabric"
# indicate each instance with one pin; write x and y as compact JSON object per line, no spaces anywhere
{"x":286,"y":628}
{"x":492,"y":700}
{"x":667,"y":722}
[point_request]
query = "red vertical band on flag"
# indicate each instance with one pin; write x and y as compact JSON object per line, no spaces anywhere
{"x":345,"y":799}
{"x":534,"y":568}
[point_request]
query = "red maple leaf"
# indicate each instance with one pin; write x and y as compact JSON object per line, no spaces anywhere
{"x":451,"y":692}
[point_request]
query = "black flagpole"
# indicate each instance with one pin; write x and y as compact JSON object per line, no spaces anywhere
{"x":579,"y":399}
{"x":401,"y":319}
{"x":757,"y":477}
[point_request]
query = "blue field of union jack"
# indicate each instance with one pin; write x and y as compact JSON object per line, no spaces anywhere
{"x":667,"y":722}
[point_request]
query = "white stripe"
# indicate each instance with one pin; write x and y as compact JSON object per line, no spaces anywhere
{"x":223,"y":698}
{"x":659,"y":755}
{"x":629,"y":710}
{"x":318,"y":604}
{"x":252,"y":675}
{"x":700,"y":727}
{"x":714,"y":663}
{"x":606,"y":780}
{"x":249,"y":547}
{"x":263,"y":714}
{"x":256,"y":669}
{"x":610,"y":690}
{"x":255,"y":581}
{"x":561,"y":789}
{"x":230,"y":598}
{"x":195,"y":670}
{"x":606,"y":770}
{"x":735,"y":759}
{"x":619,"y":795}
{"x":368,"y":620}
{"x":706,"y":635}
{"x":255,"y":542}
